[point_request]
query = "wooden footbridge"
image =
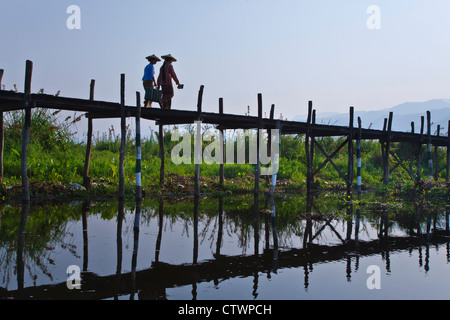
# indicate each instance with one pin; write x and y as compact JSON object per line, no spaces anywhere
{"x":10,"y":101}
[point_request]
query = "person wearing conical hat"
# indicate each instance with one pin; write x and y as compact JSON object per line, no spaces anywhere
{"x":148,"y":79}
{"x":166,"y":75}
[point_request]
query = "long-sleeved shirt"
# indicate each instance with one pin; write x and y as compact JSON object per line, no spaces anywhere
{"x":149,"y":72}
{"x":169,"y":72}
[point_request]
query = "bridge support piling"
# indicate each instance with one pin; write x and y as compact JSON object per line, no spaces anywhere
{"x":411,"y":150}
{"x":123,"y":137}
{"x":138,"y":150}
{"x":222,"y":144}
{"x":359,"y":159}
{"x":86,"y":179}
{"x":162,"y":155}
{"x":198,"y":152}
{"x":430,"y":158}
{"x":436,"y":156}
{"x":386,"y":145}
{"x":26,"y":132}
{"x":309,"y":172}
{"x":258,"y":144}
{"x":420,"y":154}
{"x":350,"y":153}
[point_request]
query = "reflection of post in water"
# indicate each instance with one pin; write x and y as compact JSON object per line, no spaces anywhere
{"x":266,"y":224}
{"x":120,"y":215}
{"x":384,"y":235}
{"x":195,"y":253}
{"x":196,"y":206}
{"x":21,"y":245}
{"x":160,"y":229}
{"x":273,"y":216}
{"x":220,"y":232}
{"x":357,"y":224}
{"x":306,"y":276}
{"x":447,"y":228}
{"x":447,"y":222}
{"x":256,"y":222}
{"x":427,"y":245}
{"x":256,"y":244}
{"x":137,"y":220}
{"x":349,"y":221}
{"x":85,"y":209}
{"x":349,"y":268}
{"x":308,"y":230}
{"x":219,"y":236}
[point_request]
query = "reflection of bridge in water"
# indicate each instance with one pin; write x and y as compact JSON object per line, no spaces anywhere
{"x":153,"y":282}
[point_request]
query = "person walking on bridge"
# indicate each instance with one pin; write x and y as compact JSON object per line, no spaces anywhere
{"x":149,"y":77}
{"x":166,"y":75}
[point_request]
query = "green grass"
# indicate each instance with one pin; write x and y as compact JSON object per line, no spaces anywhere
{"x":54,"y":157}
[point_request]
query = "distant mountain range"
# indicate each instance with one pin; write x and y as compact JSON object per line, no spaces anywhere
{"x":404,"y":114}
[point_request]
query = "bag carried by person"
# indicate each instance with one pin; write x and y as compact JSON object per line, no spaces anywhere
{"x":153,"y":94}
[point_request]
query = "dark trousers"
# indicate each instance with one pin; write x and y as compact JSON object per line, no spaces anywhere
{"x":167,"y":95}
{"x":147,"y":84}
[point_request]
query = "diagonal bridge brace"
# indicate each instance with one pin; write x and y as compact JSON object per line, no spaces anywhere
{"x":329,"y":159}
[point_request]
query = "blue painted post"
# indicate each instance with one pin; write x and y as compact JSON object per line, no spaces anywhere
{"x":138,"y":148}
{"x":359,"y":160}
{"x":350,"y":154}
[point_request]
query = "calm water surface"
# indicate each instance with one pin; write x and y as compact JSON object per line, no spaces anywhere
{"x":230,"y":248}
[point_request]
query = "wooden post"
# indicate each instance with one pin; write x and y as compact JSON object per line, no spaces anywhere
{"x":419,"y":160}
{"x":307,"y":148}
{"x":258,"y":147}
{"x":448,"y":153}
{"x":86,"y":178}
{"x":430,"y":158}
{"x":269,"y":141}
{"x":411,"y":150}
{"x":436,"y":156}
{"x":222,"y":170}
{"x":198,"y":151}
{"x":162,"y":155}
{"x":358,"y":155}
{"x":138,"y":149}
{"x":26,"y":132}
{"x":123,"y":138}
{"x":2,"y":134}
{"x":387,"y":150}
{"x":313,"y":140}
{"x":350,"y":153}
{"x":269,"y":132}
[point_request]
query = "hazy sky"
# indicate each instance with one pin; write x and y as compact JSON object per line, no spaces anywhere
{"x":291,"y":51}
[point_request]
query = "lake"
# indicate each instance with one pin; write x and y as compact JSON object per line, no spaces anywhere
{"x":234,"y":247}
